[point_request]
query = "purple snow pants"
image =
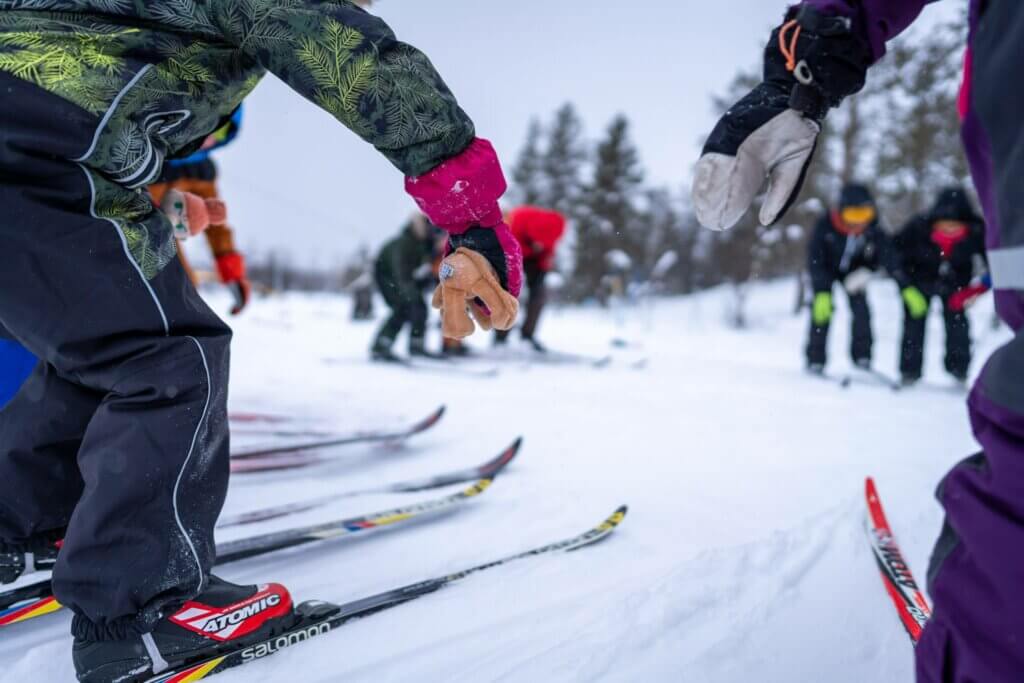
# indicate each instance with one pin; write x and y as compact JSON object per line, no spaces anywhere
{"x":977,"y":572}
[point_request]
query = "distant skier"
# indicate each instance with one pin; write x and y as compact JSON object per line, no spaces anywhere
{"x":197,"y":173}
{"x":539,"y":231}
{"x":362,"y":286}
{"x":403,"y":272}
{"x":362,"y":297}
{"x":817,"y":58}
{"x":940,"y":251}
{"x":119,"y":440}
{"x":847,"y":247}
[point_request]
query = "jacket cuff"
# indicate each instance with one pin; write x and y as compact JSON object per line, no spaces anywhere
{"x":462,"y":192}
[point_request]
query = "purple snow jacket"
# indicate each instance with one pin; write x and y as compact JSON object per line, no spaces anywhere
{"x":977,"y":573}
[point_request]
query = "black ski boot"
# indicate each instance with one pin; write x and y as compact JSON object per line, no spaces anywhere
{"x":40,"y":554}
{"x":816,"y":369}
{"x":382,"y":353}
{"x":909,"y":380}
{"x":224,"y":617}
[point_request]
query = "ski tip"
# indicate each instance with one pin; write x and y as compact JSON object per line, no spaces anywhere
{"x":871,"y":496}
{"x":427,"y":422}
{"x":509,"y":454}
{"x":615,"y":519}
{"x":876,"y":513}
{"x":492,"y":468}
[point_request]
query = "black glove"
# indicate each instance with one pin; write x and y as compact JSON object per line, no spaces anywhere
{"x":240,"y":292}
{"x":485,"y":242}
{"x":811,"y":64}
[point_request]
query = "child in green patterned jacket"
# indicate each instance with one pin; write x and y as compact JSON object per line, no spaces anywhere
{"x":118,"y":442}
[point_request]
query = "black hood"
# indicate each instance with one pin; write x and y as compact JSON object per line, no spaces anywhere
{"x":953,"y":204}
{"x":855,"y":195}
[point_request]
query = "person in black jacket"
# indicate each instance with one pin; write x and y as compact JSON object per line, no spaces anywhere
{"x":402,"y":272}
{"x":847,"y":247}
{"x":940,"y":254}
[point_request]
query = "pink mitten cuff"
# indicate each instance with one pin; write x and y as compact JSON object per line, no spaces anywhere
{"x":462,"y":192}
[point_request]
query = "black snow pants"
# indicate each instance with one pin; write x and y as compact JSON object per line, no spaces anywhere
{"x":407,"y":308}
{"x":861,"y":339}
{"x":119,"y":439}
{"x":958,"y":340}
{"x":537,"y":297}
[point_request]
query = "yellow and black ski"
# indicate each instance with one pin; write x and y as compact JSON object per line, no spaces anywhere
{"x":320,"y":618}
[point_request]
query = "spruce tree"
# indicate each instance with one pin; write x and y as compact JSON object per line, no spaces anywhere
{"x":918,"y":144}
{"x":609,"y":219}
{"x":527,"y":176}
{"x":562,"y":163}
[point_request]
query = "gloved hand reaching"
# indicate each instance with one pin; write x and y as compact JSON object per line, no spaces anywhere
{"x":857,"y":281}
{"x":811,"y":64}
{"x":964,"y":298}
{"x":482,"y":274}
{"x":917,"y":303}
{"x":475,"y":278}
{"x":821,"y":311}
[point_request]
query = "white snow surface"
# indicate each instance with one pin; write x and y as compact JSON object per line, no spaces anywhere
{"x":743,"y":555}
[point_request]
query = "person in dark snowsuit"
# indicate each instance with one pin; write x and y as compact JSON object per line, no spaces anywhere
{"x":818,"y":57}
{"x":402,"y":272}
{"x":940,"y":252}
{"x":119,"y":440}
{"x":539,"y":231}
{"x":847,"y":247}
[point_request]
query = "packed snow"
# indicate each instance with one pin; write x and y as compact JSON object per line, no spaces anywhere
{"x":742,"y":557}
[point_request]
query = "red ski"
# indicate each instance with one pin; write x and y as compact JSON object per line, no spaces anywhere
{"x":910,"y":603}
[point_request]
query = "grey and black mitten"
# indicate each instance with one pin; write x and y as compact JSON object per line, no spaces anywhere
{"x":811,"y":64}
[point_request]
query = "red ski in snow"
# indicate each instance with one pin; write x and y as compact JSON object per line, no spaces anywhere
{"x":384,"y":436}
{"x":910,"y":603}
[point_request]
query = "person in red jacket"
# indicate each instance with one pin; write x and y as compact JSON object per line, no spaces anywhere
{"x":538,"y":232}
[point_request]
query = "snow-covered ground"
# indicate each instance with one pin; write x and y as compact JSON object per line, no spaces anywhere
{"x":742,"y":557}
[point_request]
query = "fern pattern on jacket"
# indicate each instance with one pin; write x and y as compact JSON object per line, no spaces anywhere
{"x":159,"y":75}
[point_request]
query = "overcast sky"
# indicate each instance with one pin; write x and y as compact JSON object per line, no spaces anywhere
{"x":299,"y":180}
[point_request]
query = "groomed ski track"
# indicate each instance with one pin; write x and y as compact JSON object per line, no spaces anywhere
{"x":744,"y":550}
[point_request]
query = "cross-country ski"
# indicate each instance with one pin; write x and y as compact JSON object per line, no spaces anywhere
{"x":381,"y":436}
{"x":317,"y":618}
{"x":910,"y":603}
{"x":487,"y":470}
{"x":36,"y":599}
